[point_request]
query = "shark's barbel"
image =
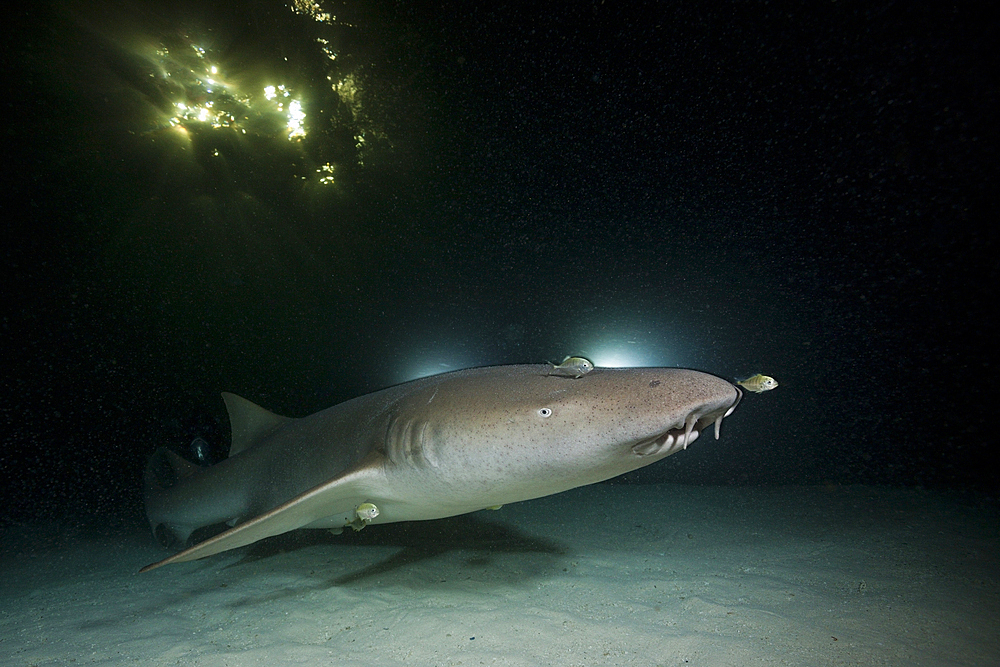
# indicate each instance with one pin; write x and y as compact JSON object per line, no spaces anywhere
{"x":427,"y":449}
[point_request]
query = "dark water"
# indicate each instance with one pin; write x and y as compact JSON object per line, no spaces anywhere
{"x":800,"y":191}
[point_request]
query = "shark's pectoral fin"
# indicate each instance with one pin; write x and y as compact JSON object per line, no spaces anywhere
{"x":322,"y":501}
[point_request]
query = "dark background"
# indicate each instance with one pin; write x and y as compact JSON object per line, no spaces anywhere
{"x":804,"y":190}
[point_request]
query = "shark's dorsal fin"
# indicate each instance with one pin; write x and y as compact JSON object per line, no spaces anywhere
{"x":249,"y":421}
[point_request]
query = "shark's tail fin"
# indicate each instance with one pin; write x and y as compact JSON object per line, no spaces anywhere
{"x":188,"y":502}
{"x":164,"y":470}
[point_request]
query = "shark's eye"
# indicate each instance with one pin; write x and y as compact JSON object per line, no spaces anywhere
{"x":544,"y":412}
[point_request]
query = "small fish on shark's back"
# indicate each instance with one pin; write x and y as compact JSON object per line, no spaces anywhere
{"x":572,"y":367}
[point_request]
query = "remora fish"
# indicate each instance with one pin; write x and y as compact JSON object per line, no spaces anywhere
{"x":432,"y":448}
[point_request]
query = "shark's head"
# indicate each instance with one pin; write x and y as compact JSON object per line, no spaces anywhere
{"x":518,"y":432}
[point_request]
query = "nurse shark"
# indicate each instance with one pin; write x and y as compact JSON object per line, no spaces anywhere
{"x":427,"y":449}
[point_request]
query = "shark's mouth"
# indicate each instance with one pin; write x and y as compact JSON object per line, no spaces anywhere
{"x":679,"y":437}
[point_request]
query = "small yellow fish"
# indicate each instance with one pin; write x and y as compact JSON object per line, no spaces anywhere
{"x":758,"y":383}
{"x":366,"y":511}
{"x":364,"y":514}
{"x":572,"y":367}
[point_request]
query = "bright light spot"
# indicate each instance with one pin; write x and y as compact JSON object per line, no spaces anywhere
{"x":422,"y":360}
{"x":427,"y":368}
{"x":618,"y":352}
{"x":614,"y":359}
{"x":326,"y":49}
{"x":328,"y":170}
{"x":201,"y":94}
{"x":201,"y":113}
{"x":312,"y":9}
{"x":296,"y":116}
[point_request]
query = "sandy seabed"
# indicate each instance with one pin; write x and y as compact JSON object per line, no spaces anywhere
{"x":602,"y":575}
